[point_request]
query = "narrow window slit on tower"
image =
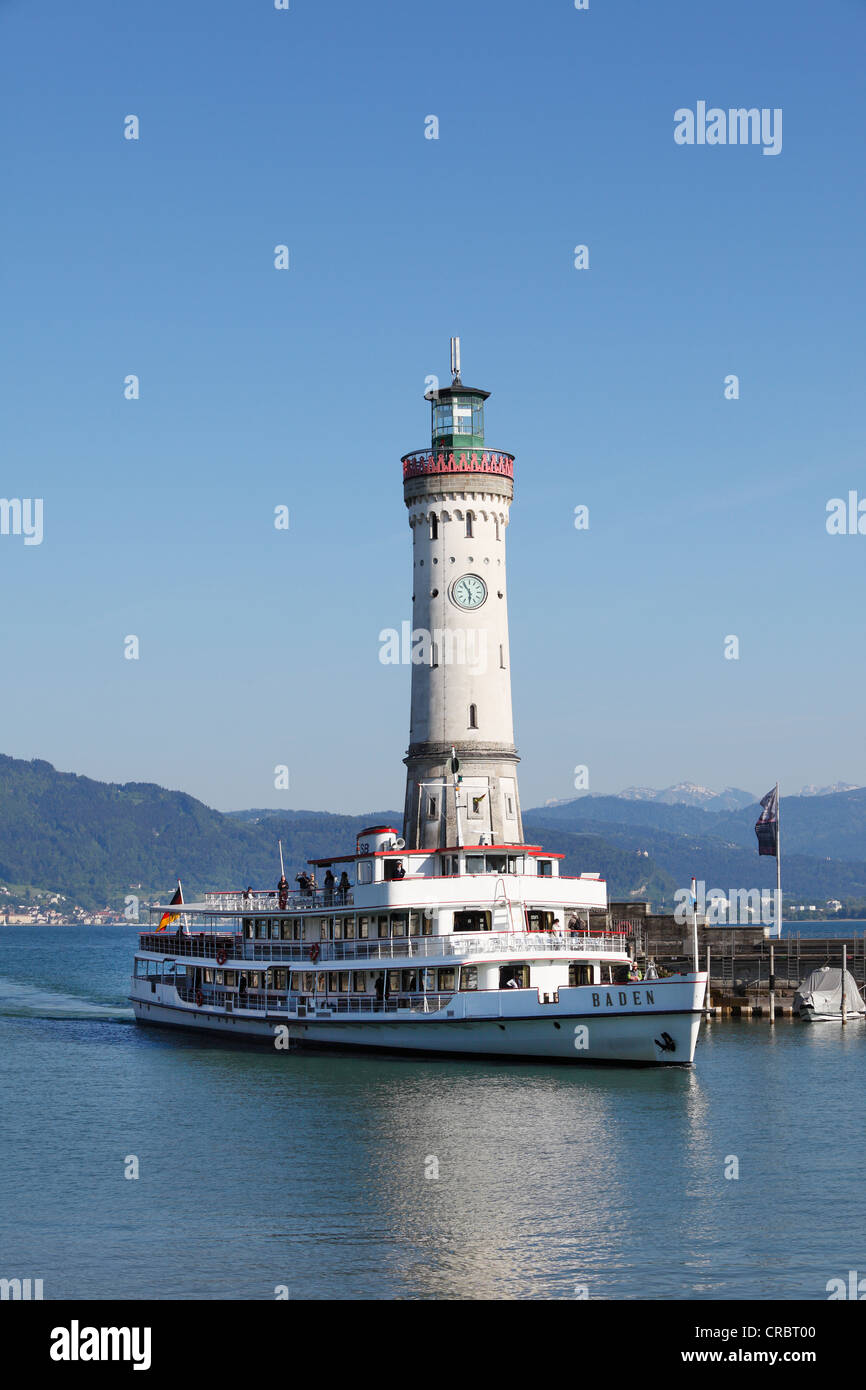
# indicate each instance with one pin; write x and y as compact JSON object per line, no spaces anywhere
{"x":434,"y":527}
{"x":473,"y":716}
{"x":470,"y":517}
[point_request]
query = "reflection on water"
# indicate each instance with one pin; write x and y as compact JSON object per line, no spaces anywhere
{"x":313,"y":1170}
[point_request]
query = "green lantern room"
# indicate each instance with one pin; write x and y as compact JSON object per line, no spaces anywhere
{"x":458,"y":411}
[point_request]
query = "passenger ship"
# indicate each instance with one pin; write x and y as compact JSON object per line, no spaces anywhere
{"x":455,"y":937}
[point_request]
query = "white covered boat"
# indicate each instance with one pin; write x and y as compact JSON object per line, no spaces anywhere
{"x":819,"y":998}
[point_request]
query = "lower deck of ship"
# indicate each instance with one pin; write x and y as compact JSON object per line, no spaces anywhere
{"x":657,"y":1038}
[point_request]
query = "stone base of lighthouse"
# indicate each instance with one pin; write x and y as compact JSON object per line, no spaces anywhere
{"x":487,"y":796}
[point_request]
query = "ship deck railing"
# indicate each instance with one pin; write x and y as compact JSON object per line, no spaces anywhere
{"x":207,"y":945}
{"x":315,"y":1005}
{"x":263,"y":901}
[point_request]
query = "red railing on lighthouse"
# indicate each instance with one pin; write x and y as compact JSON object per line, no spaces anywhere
{"x":423,"y":461}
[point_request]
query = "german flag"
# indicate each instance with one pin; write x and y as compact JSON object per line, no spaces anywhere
{"x":168,"y":917}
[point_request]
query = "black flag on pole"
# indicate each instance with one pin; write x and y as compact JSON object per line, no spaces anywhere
{"x":767,"y":824}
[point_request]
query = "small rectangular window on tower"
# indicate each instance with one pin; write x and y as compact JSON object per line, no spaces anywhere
{"x":431,"y":807}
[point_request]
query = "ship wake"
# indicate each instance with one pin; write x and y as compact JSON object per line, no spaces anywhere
{"x":18,"y":1000}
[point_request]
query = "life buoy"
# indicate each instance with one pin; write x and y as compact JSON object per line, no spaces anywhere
{"x":314,"y":952}
{"x":199,"y":997}
{"x":221,"y":957}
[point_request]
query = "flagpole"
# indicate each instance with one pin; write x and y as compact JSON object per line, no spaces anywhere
{"x":778,"y":864}
{"x":695,"y":921}
{"x":282,"y":866}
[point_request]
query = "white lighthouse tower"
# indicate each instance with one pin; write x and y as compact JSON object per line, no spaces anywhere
{"x":458,"y":493}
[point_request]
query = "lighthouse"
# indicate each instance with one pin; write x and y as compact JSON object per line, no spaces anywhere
{"x":461,"y":764}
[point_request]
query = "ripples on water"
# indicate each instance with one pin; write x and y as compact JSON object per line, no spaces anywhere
{"x":260,"y":1169}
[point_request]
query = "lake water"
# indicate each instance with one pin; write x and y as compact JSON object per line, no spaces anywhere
{"x":260,"y":1169}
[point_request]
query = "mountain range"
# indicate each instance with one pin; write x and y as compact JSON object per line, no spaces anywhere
{"x":94,"y":841}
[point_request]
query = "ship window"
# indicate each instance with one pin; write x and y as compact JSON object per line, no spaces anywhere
{"x":475,"y":863}
{"x":450,"y":865}
{"x":338,"y":929}
{"x":363,"y":928}
{"x":360,"y":981}
{"x":349,"y":928}
{"x":395,"y":869}
{"x":427,"y":927}
{"x":248,"y":926}
{"x":538,"y":920}
{"x":579,"y":973}
{"x":345,"y":979}
{"x":496,"y":863}
{"x":365,"y":871}
{"x":414,"y":923}
{"x":469,"y":977}
{"x":471,"y":921}
{"x":544,"y":868}
{"x":447,"y":978}
{"x":398,"y":924}
{"x":409,"y":982}
{"x":383,"y":925}
{"x":514,"y":976}
{"x":285,"y":930}
{"x":275,"y":929}
{"x":231,"y":978}
{"x":261,"y":927}
{"x":333,"y":982}
{"x":393,"y":981}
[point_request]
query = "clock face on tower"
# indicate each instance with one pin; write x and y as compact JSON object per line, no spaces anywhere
{"x":469,"y":591}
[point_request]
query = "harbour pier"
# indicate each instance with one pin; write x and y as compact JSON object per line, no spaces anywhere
{"x":738,"y":958}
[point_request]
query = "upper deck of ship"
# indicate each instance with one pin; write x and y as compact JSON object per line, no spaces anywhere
{"x":386,"y":875}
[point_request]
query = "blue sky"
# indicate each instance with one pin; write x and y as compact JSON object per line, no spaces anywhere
{"x":303,"y":388}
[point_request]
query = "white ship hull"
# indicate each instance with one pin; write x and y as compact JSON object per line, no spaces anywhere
{"x":663,"y":1033}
